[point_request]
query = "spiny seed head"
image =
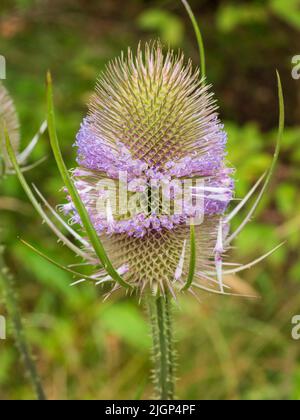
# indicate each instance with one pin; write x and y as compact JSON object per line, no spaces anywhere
{"x":159,"y":261}
{"x":9,"y":121}
{"x":153,"y":118}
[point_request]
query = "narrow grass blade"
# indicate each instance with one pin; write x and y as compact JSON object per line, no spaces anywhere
{"x":22,"y":344}
{"x":83,"y":214}
{"x":198,"y":36}
{"x":273,"y":165}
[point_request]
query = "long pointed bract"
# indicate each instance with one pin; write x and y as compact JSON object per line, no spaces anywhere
{"x":26,"y":152}
{"x":85,"y":219}
{"x":60,"y":219}
{"x":36,"y":204}
{"x":53,"y":262}
{"x":252,"y":263}
{"x":192,"y":265}
{"x":236,"y":210}
{"x":273,"y":165}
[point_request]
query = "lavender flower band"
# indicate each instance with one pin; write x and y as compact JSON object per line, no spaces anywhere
{"x":94,"y":155}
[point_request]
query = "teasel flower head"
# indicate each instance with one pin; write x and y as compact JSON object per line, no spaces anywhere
{"x":9,"y":122}
{"x":152,"y":122}
{"x":153,"y":119}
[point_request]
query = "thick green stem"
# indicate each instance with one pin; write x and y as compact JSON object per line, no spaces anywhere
{"x":163,"y":352}
{"x":13,"y":310}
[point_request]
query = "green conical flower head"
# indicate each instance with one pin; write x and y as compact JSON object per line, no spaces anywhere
{"x":154,"y":104}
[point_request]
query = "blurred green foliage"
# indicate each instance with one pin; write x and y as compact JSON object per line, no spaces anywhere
{"x":168,"y":26}
{"x":234,"y":14}
{"x":228,"y":348}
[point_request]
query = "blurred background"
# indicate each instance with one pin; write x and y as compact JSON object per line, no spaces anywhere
{"x":228,"y":348}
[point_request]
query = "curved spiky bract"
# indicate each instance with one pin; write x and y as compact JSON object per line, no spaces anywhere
{"x":9,"y":120}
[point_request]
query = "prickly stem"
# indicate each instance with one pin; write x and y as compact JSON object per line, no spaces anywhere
{"x":163,"y":351}
{"x":7,"y":281}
